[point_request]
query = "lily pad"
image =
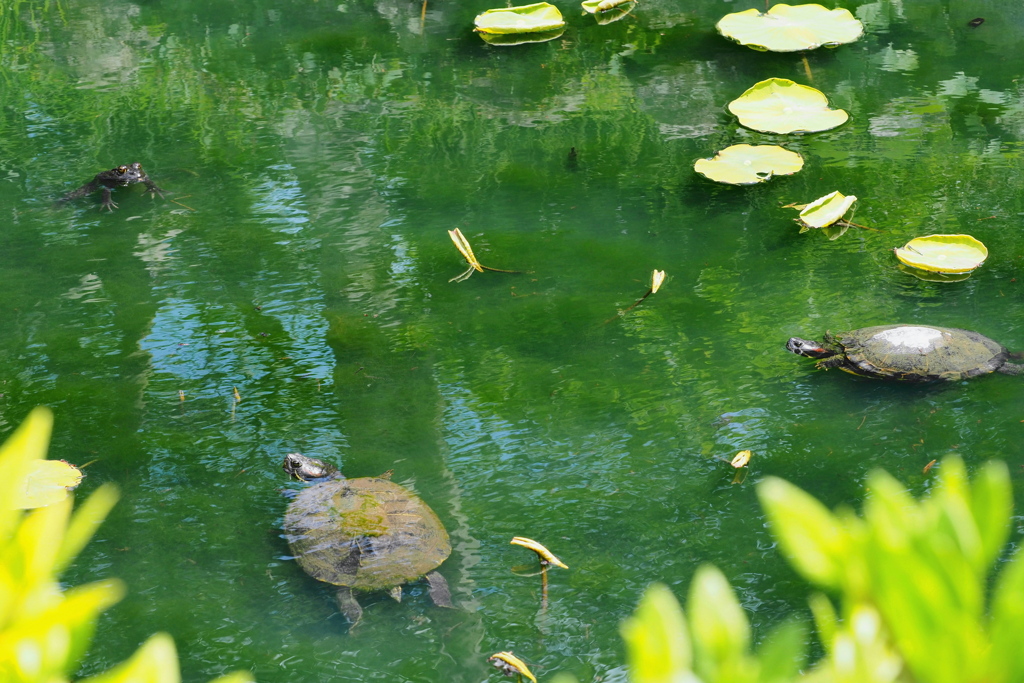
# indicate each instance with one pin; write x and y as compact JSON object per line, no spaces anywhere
{"x":47,"y":482}
{"x":789,"y":28}
{"x":825,"y":211}
{"x":778,"y":105}
{"x":749,"y":164}
{"x":540,"y":16}
{"x":951,"y":254}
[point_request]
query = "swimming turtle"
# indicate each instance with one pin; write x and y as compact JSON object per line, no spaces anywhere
{"x":363,"y":534}
{"x":914,"y":353}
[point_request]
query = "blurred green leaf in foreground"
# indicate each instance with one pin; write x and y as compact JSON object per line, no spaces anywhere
{"x":44,"y":631}
{"x":906,"y":596}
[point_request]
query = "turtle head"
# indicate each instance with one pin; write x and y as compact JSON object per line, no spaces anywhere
{"x":809,"y":348}
{"x":304,"y":468}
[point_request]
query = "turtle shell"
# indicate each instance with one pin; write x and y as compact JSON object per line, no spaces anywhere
{"x":366,"y":533}
{"x":920,"y":352}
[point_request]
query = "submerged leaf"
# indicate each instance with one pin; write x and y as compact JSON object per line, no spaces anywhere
{"x":749,"y":164}
{"x":825,"y":211}
{"x":540,"y":16}
{"x":778,"y":105}
{"x":943,"y":253}
{"x":788,"y":28}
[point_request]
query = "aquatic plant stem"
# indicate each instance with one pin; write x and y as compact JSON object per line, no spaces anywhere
{"x":543,"y":587}
{"x":807,"y":69}
{"x":624,"y":311}
{"x":858,"y":225}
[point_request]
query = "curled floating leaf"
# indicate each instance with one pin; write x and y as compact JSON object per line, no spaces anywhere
{"x":825,"y":211}
{"x":462,"y":244}
{"x":47,"y":482}
{"x":544,"y":553}
{"x":510,"y":665}
{"x":741,"y":459}
{"x":657,"y":277}
{"x":929,"y":466}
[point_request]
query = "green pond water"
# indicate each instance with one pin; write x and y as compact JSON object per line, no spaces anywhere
{"x":316,"y":153}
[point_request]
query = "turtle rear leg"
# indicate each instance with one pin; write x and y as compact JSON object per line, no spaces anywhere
{"x":1011,"y":369}
{"x":349,"y":606}
{"x":439,"y":591}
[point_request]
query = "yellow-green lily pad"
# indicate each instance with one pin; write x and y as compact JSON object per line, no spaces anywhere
{"x":953,"y":254}
{"x":778,"y":105}
{"x":47,"y":482}
{"x":789,"y":28}
{"x":540,"y":16}
{"x":825,"y":211}
{"x":749,"y":164}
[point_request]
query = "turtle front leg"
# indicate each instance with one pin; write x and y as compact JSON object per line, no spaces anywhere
{"x":1011,"y":369}
{"x":830,"y":362}
{"x":349,"y":606}
{"x":439,"y":591}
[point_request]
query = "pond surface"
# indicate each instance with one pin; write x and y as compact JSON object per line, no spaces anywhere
{"x":315,"y":155}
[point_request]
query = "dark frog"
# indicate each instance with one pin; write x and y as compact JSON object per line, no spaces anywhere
{"x":121,"y":176}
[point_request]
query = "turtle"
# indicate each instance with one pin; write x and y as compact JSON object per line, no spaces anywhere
{"x":363,"y":534}
{"x":912,"y":353}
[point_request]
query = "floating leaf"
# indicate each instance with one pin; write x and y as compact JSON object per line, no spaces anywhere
{"x":952,"y":254}
{"x":825,"y":211}
{"x":462,"y":244}
{"x":749,"y":164}
{"x":788,"y":28}
{"x":778,"y":105}
{"x":741,"y":459}
{"x":544,"y":553}
{"x":510,"y":665}
{"x":540,"y":16}
{"x":47,"y":482}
